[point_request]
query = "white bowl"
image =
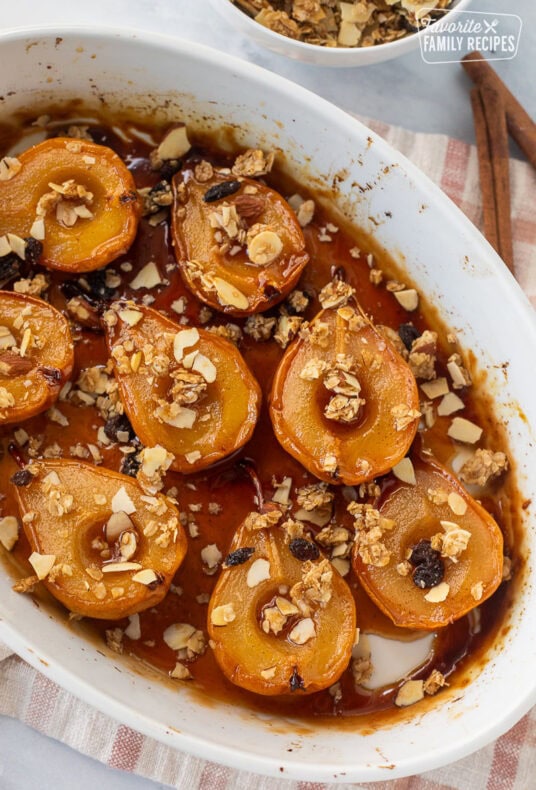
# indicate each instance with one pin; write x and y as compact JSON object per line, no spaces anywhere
{"x":313,"y":53}
{"x":445,"y":256}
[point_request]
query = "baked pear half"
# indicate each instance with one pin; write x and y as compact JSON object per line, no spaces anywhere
{"x":36,"y":356}
{"x":184,"y":389}
{"x":344,"y":403}
{"x":427,"y":552}
{"x":239,"y":245}
{"x":99,"y":544}
{"x":74,"y":196}
{"x":281,"y":618}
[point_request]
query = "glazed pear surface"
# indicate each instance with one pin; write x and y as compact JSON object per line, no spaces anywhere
{"x":77,"y":197}
{"x":238,"y":243}
{"x":344,"y":403}
{"x":36,"y":356}
{"x":183,"y":388}
{"x":112,"y":550}
{"x":440,"y":553}
{"x":281,"y":617}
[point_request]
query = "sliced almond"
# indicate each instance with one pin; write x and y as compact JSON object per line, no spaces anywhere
{"x":192,"y":457}
{"x":9,"y":167}
{"x":147,"y":577}
{"x":342,"y":566}
{"x":176,"y":636}
{"x":175,"y":144}
{"x":264,"y":248}
{"x":285,"y":606}
{"x":122,"y":502}
{"x":184,"y":419}
{"x":133,"y":629}
{"x":42,"y":564}
{"x":117,"y":523}
{"x":457,"y":504}
{"x":408,"y":299}
{"x":409,"y":693}
{"x":223,"y":615}
{"x":205,"y":367}
{"x":122,"y":567}
{"x":9,"y":532}
{"x":269,"y":673}
{"x":449,"y":404}
{"x":438,"y":593}
{"x":148,"y":277}
{"x":259,"y":571}
{"x":282,"y":492}
{"x":229,"y":295}
{"x":184,"y":339}
{"x":435,"y":388}
{"x":128,"y":545}
{"x":37,"y":231}
{"x":463,"y":430}
{"x":319,"y":516}
{"x":477,"y":591}
{"x":303,"y":631}
{"x":130,"y":317}
{"x":180,"y":672}
{"x":405,"y":471}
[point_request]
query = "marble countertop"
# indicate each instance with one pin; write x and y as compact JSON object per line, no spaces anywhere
{"x":406,"y":92}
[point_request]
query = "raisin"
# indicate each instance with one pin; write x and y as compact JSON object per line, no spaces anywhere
{"x":296,"y":681}
{"x":428,"y":574}
{"x":239,"y":556}
{"x":96,"y":281}
{"x":33,"y":250}
{"x":52,"y":375}
{"x":22,"y":478}
{"x":271,"y":292}
{"x":119,"y":423}
{"x":304,"y":549}
{"x":423,"y":553}
{"x":9,"y":267}
{"x":408,"y":333}
{"x":169,"y":168}
{"x":128,"y":197}
{"x":130,"y":465}
{"x":222,"y":190}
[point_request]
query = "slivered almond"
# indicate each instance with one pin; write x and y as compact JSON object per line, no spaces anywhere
{"x":122,"y":567}
{"x":9,"y":532}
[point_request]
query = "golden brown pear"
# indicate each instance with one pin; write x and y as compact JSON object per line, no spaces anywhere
{"x":344,"y":403}
{"x":281,"y":618}
{"x":238,"y":243}
{"x":79,"y":198}
{"x":439,"y":553}
{"x":185,"y":389}
{"x":110,"y":551}
{"x":36,"y":356}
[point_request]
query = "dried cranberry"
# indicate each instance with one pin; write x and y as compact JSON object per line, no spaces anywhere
{"x":296,"y":681}
{"x":408,"y":334}
{"x":222,"y":190}
{"x":169,"y":168}
{"x":22,"y":478}
{"x":119,"y":423}
{"x":304,"y":549}
{"x":130,"y":465}
{"x":239,"y":556}
{"x":96,"y":281}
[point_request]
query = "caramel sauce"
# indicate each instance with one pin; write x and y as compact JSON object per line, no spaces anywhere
{"x":456,"y":648}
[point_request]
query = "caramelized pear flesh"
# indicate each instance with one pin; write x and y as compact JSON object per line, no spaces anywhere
{"x":185,"y":389}
{"x":344,"y":403}
{"x":77,"y":197}
{"x":238,"y":243}
{"x":439,"y":553}
{"x":112,"y":551}
{"x":36,"y":356}
{"x":280,"y":624}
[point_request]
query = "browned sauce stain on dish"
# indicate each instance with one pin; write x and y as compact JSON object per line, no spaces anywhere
{"x":459,"y":650}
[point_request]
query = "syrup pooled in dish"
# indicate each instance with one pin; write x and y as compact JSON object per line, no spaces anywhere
{"x":233,"y":443}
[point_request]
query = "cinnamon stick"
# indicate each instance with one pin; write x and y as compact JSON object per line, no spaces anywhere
{"x":484,"y":167}
{"x":493,"y":156}
{"x":520,"y":124}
